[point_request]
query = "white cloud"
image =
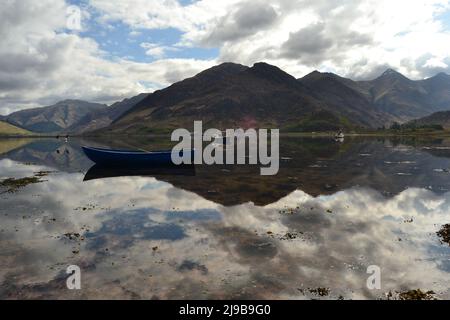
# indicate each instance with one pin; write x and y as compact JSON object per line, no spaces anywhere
{"x":354,"y":38}
{"x":41,"y":63}
{"x":156,"y":50}
{"x":435,"y":63}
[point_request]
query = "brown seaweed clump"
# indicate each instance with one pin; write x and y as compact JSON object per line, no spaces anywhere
{"x":13,"y":185}
{"x":321,"y":292}
{"x":444,"y":234}
{"x":416,"y":294}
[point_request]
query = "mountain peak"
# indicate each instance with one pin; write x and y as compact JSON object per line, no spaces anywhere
{"x":317,"y":74}
{"x":392,"y":75}
{"x":314,"y":73}
{"x":271,"y":72}
{"x":226,"y":67}
{"x":390,"y":72}
{"x":222,"y":70}
{"x":441,"y":75}
{"x":68,"y":101}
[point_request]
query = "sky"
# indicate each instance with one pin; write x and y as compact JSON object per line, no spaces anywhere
{"x":105,"y":51}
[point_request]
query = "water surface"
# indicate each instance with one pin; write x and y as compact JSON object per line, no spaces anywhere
{"x":225,"y":231}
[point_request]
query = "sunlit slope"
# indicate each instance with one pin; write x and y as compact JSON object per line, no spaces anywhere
{"x":7,"y":129}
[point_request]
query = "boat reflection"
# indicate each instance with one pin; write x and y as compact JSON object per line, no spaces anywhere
{"x":102,"y":171}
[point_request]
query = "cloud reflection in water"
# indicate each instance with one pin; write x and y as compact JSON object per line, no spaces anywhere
{"x":144,"y":238}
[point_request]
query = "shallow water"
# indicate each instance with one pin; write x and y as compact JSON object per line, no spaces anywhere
{"x":225,"y":231}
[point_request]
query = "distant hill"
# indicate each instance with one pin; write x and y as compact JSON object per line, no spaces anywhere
{"x":399,"y":96}
{"x":441,"y":118}
{"x":71,"y":116}
{"x":346,"y":98}
{"x":390,"y":94}
{"x":103,"y":117}
{"x":55,"y":118}
{"x":232,"y":95}
{"x":7,"y":129}
{"x":438,"y":90}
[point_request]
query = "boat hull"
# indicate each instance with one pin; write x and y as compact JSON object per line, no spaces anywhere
{"x":108,"y":157}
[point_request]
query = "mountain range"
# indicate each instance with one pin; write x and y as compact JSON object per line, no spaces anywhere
{"x":231,"y":95}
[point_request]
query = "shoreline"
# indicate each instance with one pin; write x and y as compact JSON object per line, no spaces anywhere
{"x":285,"y":133}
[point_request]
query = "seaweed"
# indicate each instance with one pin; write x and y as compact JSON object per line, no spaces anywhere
{"x":444,"y":234}
{"x":321,"y":292}
{"x":417,"y":294}
{"x":13,"y":185}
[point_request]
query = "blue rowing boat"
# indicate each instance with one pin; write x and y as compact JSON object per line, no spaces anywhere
{"x":110,"y":157}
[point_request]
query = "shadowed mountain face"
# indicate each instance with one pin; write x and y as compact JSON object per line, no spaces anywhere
{"x":228,"y":95}
{"x":346,"y":96}
{"x":55,"y":118}
{"x":231,"y":95}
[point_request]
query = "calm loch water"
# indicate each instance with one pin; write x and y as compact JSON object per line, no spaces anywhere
{"x":221,"y":232}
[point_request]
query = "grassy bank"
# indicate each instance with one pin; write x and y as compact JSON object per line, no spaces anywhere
{"x":8,"y":130}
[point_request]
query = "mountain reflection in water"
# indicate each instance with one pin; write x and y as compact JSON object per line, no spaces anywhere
{"x":225,"y":231}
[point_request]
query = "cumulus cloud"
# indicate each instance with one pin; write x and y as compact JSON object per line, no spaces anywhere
{"x":353,"y":37}
{"x":156,"y":50}
{"x":310,"y":41}
{"x":247,"y":19}
{"x":42,"y":62}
